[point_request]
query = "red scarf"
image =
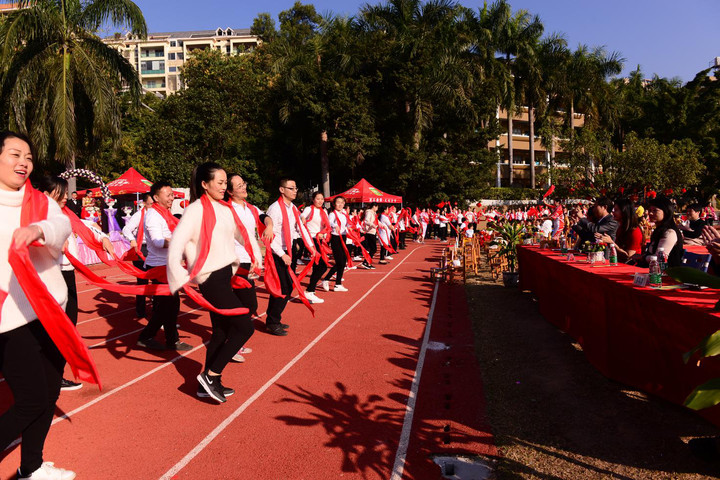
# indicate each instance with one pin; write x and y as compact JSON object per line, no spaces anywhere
{"x":385,"y":244}
{"x":354,"y":236}
{"x":139,"y":236}
{"x":288,"y":244}
{"x":52,"y":316}
{"x":272,"y":280}
{"x":347,"y":229}
{"x":165,"y":213}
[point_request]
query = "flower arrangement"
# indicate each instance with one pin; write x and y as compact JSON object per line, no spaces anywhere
{"x":593,"y":247}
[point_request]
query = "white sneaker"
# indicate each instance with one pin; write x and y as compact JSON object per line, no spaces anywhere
{"x":357,"y":258}
{"x":388,"y":257}
{"x":300,"y":262}
{"x":48,"y":471}
{"x":312,"y":298}
{"x":325,"y":285}
{"x":237,"y":358}
{"x":244,"y":350}
{"x":339,"y":288}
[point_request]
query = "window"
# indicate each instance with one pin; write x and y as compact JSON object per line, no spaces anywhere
{"x":173,"y":43}
{"x":227,"y":49}
{"x":180,"y":56}
{"x":180,"y":43}
{"x":173,"y":69}
{"x":171,"y":56}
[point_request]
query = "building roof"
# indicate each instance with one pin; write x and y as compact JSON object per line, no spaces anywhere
{"x":8,"y":7}
{"x":192,"y":34}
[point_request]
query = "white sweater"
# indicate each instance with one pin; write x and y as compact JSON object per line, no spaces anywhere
{"x":185,"y":240}
{"x":16,"y":311}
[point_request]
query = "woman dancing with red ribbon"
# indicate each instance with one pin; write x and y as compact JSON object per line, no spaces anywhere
{"x":204,"y":237}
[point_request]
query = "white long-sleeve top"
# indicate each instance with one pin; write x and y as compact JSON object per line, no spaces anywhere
{"x":248,"y":220}
{"x":369,"y":223}
{"x":185,"y":245}
{"x":338,"y":222}
{"x":296,"y":229}
{"x":130,"y":229}
{"x":156,"y":231}
{"x":314,"y":225}
{"x":16,"y":310}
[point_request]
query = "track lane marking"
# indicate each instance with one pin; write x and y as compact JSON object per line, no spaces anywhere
{"x":225,"y":423}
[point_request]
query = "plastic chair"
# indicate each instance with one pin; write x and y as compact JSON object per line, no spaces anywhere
{"x":698,"y":261}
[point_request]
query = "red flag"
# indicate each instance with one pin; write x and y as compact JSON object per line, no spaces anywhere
{"x":549,"y":191}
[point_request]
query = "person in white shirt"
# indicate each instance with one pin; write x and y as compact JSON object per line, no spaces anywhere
{"x":282,"y":251}
{"x":56,"y":188}
{"x":339,"y":229}
{"x":547,"y":226}
{"x":158,"y":227}
{"x":314,"y":218}
{"x":130,"y":232}
{"x":385,"y":231}
{"x":249,"y":215}
{"x":29,"y":359}
{"x":211,"y":263}
{"x":370,"y":230}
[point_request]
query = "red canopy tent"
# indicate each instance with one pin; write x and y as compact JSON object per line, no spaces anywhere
{"x":129,"y":183}
{"x":363,"y":192}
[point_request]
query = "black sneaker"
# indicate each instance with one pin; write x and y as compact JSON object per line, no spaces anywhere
{"x":212,"y":386}
{"x":227,"y":392}
{"x":150,"y":343}
{"x":284,"y":325}
{"x":276,"y":330}
{"x":364,"y":266}
{"x":180,"y":346}
{"x":68,"y":385}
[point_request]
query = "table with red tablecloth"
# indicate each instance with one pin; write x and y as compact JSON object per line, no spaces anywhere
{"x":635,"y":335}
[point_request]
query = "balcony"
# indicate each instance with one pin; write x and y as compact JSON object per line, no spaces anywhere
{"x":153,"y":72}
{"x":152,"y":55}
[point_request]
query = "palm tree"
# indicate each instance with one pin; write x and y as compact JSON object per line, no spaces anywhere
{"x":59,"y":80}
{"x":515,"y":37}
{"x":426,"y":48}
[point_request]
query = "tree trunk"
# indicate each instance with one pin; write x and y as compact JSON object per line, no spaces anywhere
{"x":72,"y":181}
{"x":531,"y":120}
{"x":572,"y":118}
{"x":551,"y":160}
{"x":510,"y":146}
{"x":324,"y":163}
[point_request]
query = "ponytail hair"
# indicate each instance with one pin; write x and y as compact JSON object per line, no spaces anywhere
{"x":202,"y":173}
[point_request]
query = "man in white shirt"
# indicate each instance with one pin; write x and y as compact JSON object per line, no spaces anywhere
{"x":282,"y":252}
{"x":370,"y":229}
{"x":130,"y":232}
{"x":165,"y":307}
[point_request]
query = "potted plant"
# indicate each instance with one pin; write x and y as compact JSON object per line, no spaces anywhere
{"x":510,"y":235}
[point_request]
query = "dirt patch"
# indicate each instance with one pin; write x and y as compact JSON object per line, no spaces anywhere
{"x":555,"y":417}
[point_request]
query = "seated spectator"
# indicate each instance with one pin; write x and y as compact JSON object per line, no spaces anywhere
{"x":666,"y":235}
{"x":692,"y":230}
{"x":601,"y":221}
{"x":547,"y":226}
{"x":628,"y":240}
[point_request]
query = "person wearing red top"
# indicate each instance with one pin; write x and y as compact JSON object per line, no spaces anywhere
{"x":628,"y":240}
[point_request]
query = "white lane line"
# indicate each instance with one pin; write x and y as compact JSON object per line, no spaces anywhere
{"x":399,"y":466}
{"x":219,"y":429}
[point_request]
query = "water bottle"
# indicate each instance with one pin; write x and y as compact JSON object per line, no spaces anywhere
{"x":655,"y":274}
{"x":612,"y":254}
{"x":563,"y":245}
{"x":662,"y":259}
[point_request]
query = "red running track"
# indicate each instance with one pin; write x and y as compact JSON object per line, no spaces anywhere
{"x":328,"y":401}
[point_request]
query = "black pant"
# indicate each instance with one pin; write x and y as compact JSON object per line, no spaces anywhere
{"x":247,"y":296}
{"x":229,"y":333}
{"x":340,"y":258}
{"x":33,"y":368}
{"x":370,"y":244}
{"x":443,"y":232}
{"x":403,"y":233}
{"x":318,"y":270}
{"x":297,"y":250}
{"x":71,"y":309}
{"x":140,"y":301}
{"x":165,"y":312}
{"x":276,"y":305}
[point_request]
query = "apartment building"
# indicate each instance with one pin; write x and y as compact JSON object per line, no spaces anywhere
{"x":521,"y":149}
{"x":159,"y":57}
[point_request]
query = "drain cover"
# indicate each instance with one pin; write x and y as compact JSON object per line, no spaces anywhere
{"x":464,"y":468}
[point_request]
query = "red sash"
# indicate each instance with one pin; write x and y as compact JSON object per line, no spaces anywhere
{"x":272,"y":280}
{"x":52,"y":316}
{"x":165,"y":213}
{"x":140,"y":235}
{"x":288,"y":244}
{"x":385,"y":244}
{"x":347,"y":229}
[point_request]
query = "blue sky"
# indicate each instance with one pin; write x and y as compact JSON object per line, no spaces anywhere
{"x":666,"y":37}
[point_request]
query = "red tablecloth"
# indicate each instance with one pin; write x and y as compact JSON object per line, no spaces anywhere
{"x":634,"y":335}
